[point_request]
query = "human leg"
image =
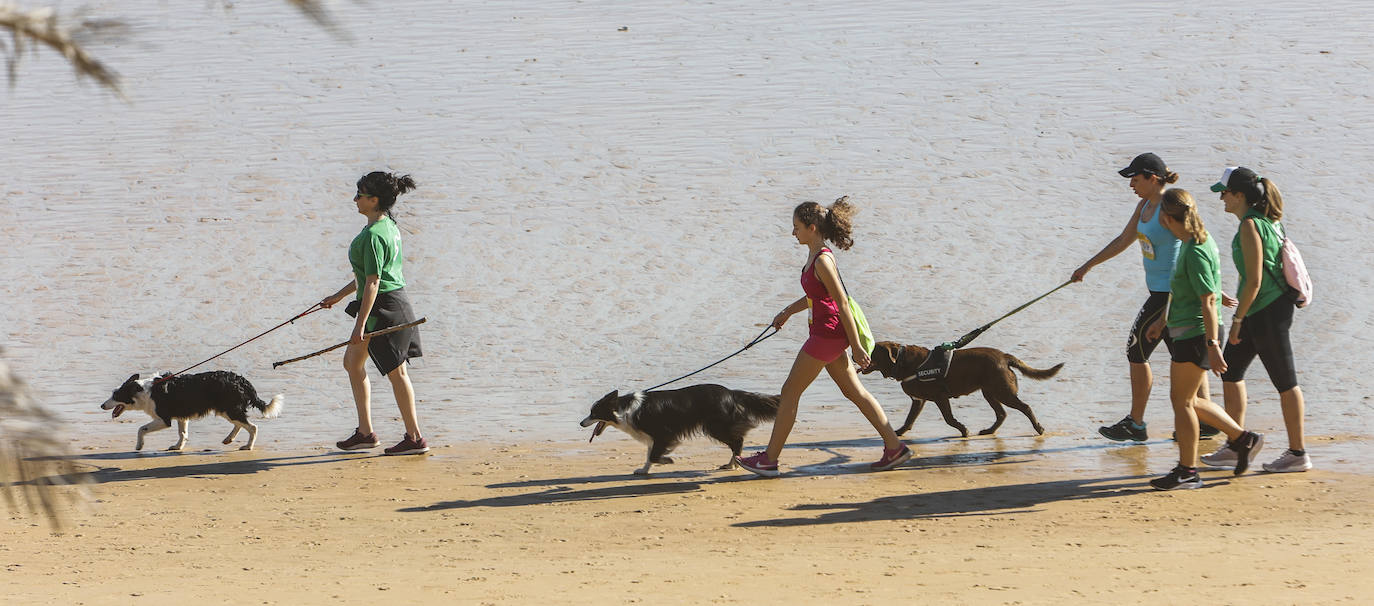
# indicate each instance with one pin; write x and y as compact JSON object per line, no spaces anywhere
{"x":405,"y":398}
{"x":804,"y":370}
{"x":842,"y":372}
{"x":355,"y":356}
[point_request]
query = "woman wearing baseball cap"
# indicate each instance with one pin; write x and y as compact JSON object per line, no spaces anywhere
{"x":1264,"y":312}
{"x":1158,"y":247}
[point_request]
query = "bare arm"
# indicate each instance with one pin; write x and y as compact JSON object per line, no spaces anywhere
{"x":366,"y":301}
{"x":334,"y":299}
{"x":1113,"y":248}
{"x":1252,"y":249}
{"x":781,"y":318}
{"x":1210,"y":329}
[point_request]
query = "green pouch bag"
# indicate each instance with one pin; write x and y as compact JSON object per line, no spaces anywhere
{"x":861,"y":323}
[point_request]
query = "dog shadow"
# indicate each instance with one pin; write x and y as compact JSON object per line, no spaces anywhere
{"x":984,"y":500}
{"x":562,"y":493}
{"x":219,"y":467}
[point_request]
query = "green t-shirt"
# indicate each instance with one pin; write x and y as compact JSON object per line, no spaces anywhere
{"x":377,"y":251}
{"x":1270,"y":288}
{"x":1196,"y":273}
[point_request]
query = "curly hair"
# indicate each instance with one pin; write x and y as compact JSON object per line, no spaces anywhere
{"x":834,"y":223}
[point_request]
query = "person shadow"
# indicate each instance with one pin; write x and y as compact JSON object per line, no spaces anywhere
{"x":982,"y":500}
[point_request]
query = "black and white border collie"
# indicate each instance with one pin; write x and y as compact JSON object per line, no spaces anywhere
{"x":662,"y":419}
{"x":189,"y":397}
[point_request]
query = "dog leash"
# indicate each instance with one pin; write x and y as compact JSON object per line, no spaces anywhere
{"x":759,"y":339}
{"x":313,"y":308}
{"x":376,"y":333}
{"x":973,"y":334}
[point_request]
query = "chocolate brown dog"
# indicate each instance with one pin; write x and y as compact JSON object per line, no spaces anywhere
{"x":970,"y":370}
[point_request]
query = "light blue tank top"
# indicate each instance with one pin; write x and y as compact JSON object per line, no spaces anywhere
{"x":1158,"y":248}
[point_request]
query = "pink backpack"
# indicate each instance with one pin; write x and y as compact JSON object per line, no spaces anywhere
{"x":1294,"y":270}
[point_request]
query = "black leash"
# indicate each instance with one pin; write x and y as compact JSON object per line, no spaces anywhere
{"x":973,"y":334}
{"x":313,"y":308}
{"x":759,"y":339}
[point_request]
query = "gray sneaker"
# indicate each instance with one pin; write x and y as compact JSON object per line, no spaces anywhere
{"x":1289,"y":462}
{"x":1125,"y":429}
{"x":1223,"y":458}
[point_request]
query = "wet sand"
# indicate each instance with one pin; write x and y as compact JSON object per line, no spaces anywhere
{"x":527,"y":522}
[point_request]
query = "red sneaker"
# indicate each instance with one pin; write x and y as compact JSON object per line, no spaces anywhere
{"x":892,"y":458}
{"x":759,"y":464}
{"x":408,"y":446}
{"x":358,"y":441}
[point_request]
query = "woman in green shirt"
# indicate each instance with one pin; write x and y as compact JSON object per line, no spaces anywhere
{"x":1264,"y":312}
{"x":375,"y":255}
{"x":1194,"y":306}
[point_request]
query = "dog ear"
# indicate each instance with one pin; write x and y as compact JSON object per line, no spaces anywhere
{"x":893,"y":354}
{"x":132,"y":377}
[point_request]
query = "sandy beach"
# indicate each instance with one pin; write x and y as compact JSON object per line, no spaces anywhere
{"x":603,"y":203}
{"x":542,"y":522}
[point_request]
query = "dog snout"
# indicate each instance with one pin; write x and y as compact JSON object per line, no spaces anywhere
{"x":587,"y":422}
{"x":108,"y":405}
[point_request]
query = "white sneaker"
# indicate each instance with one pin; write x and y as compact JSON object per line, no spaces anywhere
{"x":1289,"y":462}
{"x":1223,"y":458}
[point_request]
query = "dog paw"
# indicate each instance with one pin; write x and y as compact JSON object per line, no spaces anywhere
{"x":1039,"y":431}
{"x":642,"y":471}
{"x":664,"y":460}
{"x":987,"y":432}
{"x":174,"y":448}
{"x":901,"y":432}
{"x":729,"y":466}
{"x":227,"y":440}
{"x":245,"y":446}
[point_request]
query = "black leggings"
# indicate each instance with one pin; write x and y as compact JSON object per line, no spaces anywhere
{"x":1138,"y":347}
{"x":1265,"y":334}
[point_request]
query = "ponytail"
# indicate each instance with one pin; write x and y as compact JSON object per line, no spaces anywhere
{"x":1179,"y":205}
{"x":1270,"y":201}
{"x":833,"y":223}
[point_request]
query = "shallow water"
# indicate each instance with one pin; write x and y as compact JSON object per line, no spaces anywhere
{"x":604,"y":209}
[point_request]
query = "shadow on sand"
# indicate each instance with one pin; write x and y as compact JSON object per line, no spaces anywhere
{"x":218,"y":467}
{"x":985,"y":500}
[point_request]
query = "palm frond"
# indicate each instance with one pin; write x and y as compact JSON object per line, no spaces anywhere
{"x":30,"y":28}
{"x":37,"y":472}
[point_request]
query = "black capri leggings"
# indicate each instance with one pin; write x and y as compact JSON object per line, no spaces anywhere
{"x":1138,"y":347}
{"x":1265,"y":334}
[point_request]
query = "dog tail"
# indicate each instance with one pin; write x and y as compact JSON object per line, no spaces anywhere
{"x":762,"y":407}
{"x":1032,"y":373}
{"x":271,"y":409}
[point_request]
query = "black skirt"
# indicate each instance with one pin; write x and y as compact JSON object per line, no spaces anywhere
{"x":390,"y":351}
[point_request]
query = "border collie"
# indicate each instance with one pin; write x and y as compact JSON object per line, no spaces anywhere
{"x":190,"y":397}
{"x":662,"y":419}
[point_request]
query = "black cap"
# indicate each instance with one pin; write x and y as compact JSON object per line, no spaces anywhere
{"x":1236,"y":178}
{"x":1147,"y":163}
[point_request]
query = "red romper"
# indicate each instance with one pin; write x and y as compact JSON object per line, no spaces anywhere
{"x":827,"y":341}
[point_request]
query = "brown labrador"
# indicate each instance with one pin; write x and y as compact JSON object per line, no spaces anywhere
{"x":970,"y":370}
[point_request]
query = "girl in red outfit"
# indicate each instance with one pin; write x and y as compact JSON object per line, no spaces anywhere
{"x":832,"y":331}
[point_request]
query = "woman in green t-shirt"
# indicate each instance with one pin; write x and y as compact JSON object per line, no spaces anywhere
{"x":375,"y":255}
{"x":1264,"y":312}
{"x":1194,"y":306}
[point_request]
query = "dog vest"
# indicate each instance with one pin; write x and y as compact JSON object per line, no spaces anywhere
{"x":936,"y":365}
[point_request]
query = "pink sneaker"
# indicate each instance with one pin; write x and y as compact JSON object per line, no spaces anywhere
{"x":759,"y":464}
{"x":408,"y":446}
{"x":892,"y":458}
{"x":358,"y":441}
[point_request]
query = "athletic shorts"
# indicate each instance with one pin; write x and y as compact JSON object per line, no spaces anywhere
{"x":1265,"y":334}
{"x":825,"y":349}
{"x":1192,"y":350}
{"x":1139,"y":348}
{"x":390,"y":351}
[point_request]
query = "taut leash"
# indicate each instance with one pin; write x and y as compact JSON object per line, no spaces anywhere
{"x":313,"y":308}
{"x":973,"y":334}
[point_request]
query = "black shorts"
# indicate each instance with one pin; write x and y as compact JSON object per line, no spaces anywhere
{"x":390,"y":351}
{"x":1138,"y":347}
{"x":1192,"y":350}
{"x":1265,"y":334}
